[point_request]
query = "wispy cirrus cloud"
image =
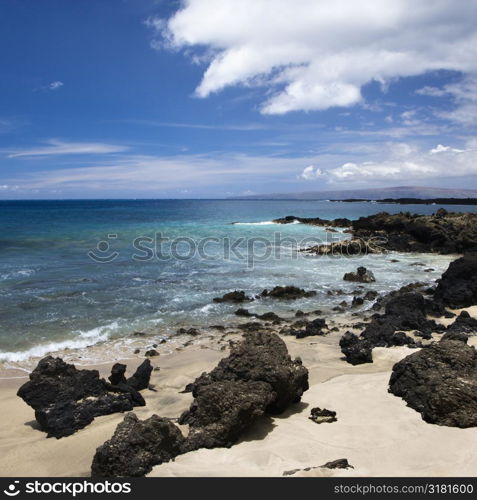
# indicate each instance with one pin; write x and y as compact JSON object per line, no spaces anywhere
{"x":55,"y":85}
{"x":149,"y":175}
{"x":55,"y":147}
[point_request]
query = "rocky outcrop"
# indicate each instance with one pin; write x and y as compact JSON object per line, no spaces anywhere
{"x":235,"y":296}
{"x":357,"y":351}
{"x":346,"y":248}
{"x":140,"y":379}
{"x":341,"y":463}
{"x":314,"y":221}
{"x":66,"y":399}
{"x":444,"y":233}
{"x":136,"y":446}
{"x":362,"y":275}
{"x":320,"y":416}
{"x":458,"y":286}
{"x":222,"y":410}
{"x":311,"y":328}
{"x":257,"y":377}
{"x":261,"y":357}
{"x":268,"y":316}
{"x":462,"y":327}
{"x":287,"y":293}
{"x":440,"y":382}
{"x":402,"y":312}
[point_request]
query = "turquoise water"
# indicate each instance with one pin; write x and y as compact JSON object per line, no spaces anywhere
{"x":54,"y":295}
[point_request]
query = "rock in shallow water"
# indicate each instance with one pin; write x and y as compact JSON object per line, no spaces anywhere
{"x":287,"y":293}
{"x":136,"y":446}
{"x":440,"y":382}
{"x":66,"y":399}
{"x":362,"y":275}
{"x":235,"y":296}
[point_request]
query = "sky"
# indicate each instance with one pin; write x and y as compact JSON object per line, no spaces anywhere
{"x":220,"y":98}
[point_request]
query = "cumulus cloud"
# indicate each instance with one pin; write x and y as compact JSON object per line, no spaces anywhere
{"x":441,"y":161}
{"x":311,"y":172}
{"x":313,"y":55}
{"x":57,"y":147}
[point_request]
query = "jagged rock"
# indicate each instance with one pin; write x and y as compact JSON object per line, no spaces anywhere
{"x":458,"y":286}
{"x":287,"y":293}
{"x":187,"y":331}
{"x":357,"y":301}
{"x":262,"y":357}
{"x":117,"y":374}
{"x":455,"y":335}
{"x":320,"y":416}
{"x":136,"y":446}
{"x":151,"y":353}
{"x":251,"y":327}
{"x":405,"y":232}
{"x":235,"y":296}
{"x":270,"y":316}
{"x":345,"y":248}
{"x":243,"y":312}
{"x":314,"y":221}
{"x":66,"y":399}
{"x":141,"y":377}
{"x":222,"y":410}
{"x":341,"y":463}
{"x":356,"y":351}
{"x":440,"y":382}
{"x":362,"y":275}
{"x":312,"y":328}
{"x":464,"y":324}
{"x":403,"y":311}
{"x":257,"y":377}
{"x":370,"y":295}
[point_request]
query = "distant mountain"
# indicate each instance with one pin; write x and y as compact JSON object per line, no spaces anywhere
{"x":369,"y":194}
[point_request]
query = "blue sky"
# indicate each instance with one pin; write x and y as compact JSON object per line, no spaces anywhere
{"x":209,"y":98}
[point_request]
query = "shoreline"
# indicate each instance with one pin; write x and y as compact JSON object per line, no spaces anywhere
{"x":122,"y":348}
{"x":375,"y":430}
{"x":369,"y":418}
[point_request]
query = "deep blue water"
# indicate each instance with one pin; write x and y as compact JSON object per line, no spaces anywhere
{"x":53,"y":295}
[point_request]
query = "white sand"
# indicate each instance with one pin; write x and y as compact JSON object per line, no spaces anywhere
{"x":375,"y":431}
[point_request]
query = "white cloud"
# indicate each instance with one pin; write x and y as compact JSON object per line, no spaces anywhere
{"x":57,"y":147}
{"x":311,"y":172}
{"x":464,"y":94}
{"x":317,"y":54}
{"x":55,"y":85}
{"x":431,"y":91}
{"x":402,"y":165}
{"x":444,"y":149}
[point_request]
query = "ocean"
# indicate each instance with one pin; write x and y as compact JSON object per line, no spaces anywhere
{"x":79,"y":273}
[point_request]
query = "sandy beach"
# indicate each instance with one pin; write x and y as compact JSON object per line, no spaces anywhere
{"x":375,"y":431}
